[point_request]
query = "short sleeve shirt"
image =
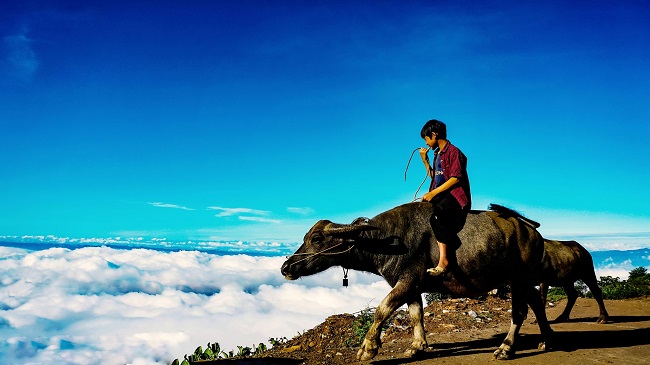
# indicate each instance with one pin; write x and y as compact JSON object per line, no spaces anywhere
{"x":453,"y":163}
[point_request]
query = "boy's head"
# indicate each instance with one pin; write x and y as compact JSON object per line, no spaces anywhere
{"x":434,"y":126}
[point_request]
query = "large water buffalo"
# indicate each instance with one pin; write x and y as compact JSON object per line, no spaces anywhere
{"x":566,"y":262}
{"x":497,"y":247}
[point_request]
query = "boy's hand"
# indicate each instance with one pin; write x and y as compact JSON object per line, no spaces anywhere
{"x":428,"y":196}
{"x":423,"y":153}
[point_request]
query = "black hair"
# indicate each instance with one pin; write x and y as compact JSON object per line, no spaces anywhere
{"x":434,"y":126}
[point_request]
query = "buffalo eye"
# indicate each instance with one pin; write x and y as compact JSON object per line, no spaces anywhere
{"x":317,"y":239}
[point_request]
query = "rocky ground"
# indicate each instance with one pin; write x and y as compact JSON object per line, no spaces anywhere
{"x":466,"y":331}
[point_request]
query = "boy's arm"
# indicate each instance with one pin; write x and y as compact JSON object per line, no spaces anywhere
{"x":425,"y":160}
{"x":444,"y":187}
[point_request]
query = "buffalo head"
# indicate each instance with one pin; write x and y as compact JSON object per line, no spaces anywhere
{"x":324,"y":246}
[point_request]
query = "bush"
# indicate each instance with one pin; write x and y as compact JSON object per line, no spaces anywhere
{"x":637,"y":285}
{"x":360,"y":326}
{"x":638,"y":273}
{"x":213,"y":352}
{"x":555,"y":293}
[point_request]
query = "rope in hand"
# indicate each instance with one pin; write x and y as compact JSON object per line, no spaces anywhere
{"x":415,"y":196}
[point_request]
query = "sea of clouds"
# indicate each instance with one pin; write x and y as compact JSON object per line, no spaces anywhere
{"x":101,"y":305}
{"x":104,"y":305}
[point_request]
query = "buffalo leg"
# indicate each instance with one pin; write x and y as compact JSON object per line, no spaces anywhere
{"x":388,"y":305}
{"x":519,"y":312}
{"x":543,"y":290}
{"x":537,"y":306}
{"x":417,"y":318}
{"x":572,"y":296}
{"x":592,"y":284}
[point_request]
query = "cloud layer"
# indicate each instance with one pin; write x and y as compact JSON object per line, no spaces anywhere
{"x":94,"y":305}
{"x":103,"y":305}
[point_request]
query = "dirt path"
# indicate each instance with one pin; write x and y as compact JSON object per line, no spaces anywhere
{"x":624,"y":340}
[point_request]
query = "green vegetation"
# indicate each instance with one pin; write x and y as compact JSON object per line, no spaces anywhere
{"x":556,"y":293}
{"x":360,"y":326}
{"x":637,"y":285}
{"x":213,"y":352}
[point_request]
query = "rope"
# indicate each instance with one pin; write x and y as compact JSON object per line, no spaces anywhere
{"x":415,"y":196}
{"x":323,"y":252}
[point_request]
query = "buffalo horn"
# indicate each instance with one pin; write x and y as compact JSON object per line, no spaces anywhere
{"x":331,"y":229}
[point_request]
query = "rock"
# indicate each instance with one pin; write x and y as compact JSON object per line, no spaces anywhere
{"x":472,"y":314}
{"x":292,"y":349}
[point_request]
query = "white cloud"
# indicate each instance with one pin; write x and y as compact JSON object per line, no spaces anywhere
{"x":301,"y":211}
{"x":165,"y":205}
{"x":259,"y":219}
{"x":145,"y":306}
{"x":226,"y":212}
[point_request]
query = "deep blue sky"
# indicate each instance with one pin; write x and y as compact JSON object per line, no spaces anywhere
{"x":253,"y":119}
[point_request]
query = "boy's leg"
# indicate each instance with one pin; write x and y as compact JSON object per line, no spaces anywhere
{"x":443,"y":261}
{"x":448,"y":219}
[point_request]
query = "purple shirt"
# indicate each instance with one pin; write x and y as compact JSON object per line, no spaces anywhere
{"x":454,"y":164}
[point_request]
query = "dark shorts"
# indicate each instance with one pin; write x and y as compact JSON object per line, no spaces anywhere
{"x":448,"y":219}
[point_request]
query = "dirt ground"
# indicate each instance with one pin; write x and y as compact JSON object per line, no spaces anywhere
{"x":467,"y":331}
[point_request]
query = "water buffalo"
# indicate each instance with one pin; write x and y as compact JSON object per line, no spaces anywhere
{"x":497,"y":247}
{"x":565,"y":263}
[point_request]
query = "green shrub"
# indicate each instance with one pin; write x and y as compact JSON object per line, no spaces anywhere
{"x":639,"y":273}
{"x":555,"y":293}
{"x":277,"y":341}
{"x":637,"y":285}
{"x":360,"y":326}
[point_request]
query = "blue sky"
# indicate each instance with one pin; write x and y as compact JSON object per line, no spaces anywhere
{"x":251,"y":120}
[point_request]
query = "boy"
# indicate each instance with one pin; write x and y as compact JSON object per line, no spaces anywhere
{"x":449,"y":190}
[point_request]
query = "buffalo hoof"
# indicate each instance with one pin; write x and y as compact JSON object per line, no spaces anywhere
{"x":367,"y":351}
{"x":412,"y":352}
{"x":504,"y":352}
{"x":416,"y":348}
{"x":602,"y":320}
{"x":542,"y":346}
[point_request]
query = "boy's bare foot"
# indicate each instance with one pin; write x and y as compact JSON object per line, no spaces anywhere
{"x":437,"y":271}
